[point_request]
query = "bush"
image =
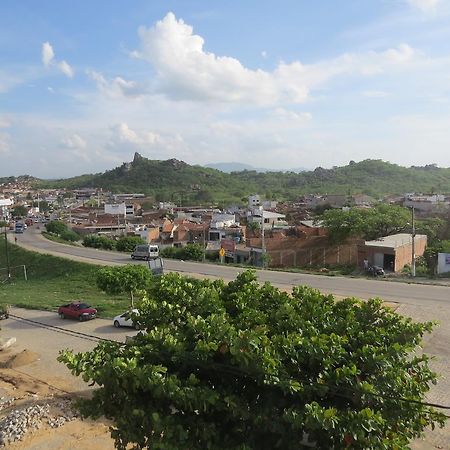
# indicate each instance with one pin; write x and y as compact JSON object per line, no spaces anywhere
{"x":56,"y":227}
{"x":128,"y":243}
{"x":95,"y":241}
{"x":192,"y":252}
{"x":70,"y":236}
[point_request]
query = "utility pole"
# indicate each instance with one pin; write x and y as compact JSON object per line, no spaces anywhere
{"x":8,"y":266}
{"x":413,"y":249}
{"x":263,"y":241}
{"x":204,"y":243}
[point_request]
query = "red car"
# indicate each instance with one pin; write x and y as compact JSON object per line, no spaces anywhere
{"x":77,"y":310}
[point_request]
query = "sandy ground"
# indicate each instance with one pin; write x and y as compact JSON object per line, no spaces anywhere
{"x":19,"y":390}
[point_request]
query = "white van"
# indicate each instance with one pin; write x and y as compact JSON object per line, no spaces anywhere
{"x":145,"y":251}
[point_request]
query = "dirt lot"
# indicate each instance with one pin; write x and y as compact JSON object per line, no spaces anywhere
{"x":38,"y":415}
{"x":36,"y":391}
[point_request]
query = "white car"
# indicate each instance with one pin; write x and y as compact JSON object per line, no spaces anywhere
{"x":124,"y":320}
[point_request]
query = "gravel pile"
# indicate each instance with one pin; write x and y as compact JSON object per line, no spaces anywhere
{"x":15,"y":425}
{"x":5,"y":402}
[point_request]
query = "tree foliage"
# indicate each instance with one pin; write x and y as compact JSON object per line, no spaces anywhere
{"x":95,"y":241}
{"x":130,"y":278}
{"x":19,"y":211}
{"x":128,"y":243}
{"x":56,"y":227}
{"x":371,"y":223}
{"x":60,"y":229}
{"x":190,"y":252}
{"x":243,"y":366}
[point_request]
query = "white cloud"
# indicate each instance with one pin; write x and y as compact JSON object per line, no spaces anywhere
{"x":48,"y":59}
{"x":4,"y":143}
{"x":264,"y":54}
{"x":74,"y":142}
{"x":4,"y":122}
{"x":426,"y":6}
{"x":47,"y":54}
{"x":118,"y":86}
{"x":374,"y":94}
{"x":186,"y":71}
{"x":286,"y":114}
{"x":125,"y":139}
{"x":66,"y":69}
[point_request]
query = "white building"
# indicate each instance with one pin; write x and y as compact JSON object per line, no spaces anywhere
{"x":119,"y":209}
{"x":223,"y":220}
{"x":443,"y":263}
{"x":271,"y":219}
{"x":5,"y":205}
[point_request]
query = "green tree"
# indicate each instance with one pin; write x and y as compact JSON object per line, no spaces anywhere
{"x":95,"y":241}
{"x":371,"y":223}
{"x":56,"y":227}
{"x":244,"y":366}
{"x":130,"y":279}
{"x":193,"y":252}
{"x":19,"y":211}
{"x":128,"y":243}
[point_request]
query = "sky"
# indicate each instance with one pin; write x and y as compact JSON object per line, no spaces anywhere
{"x":286,"y":84}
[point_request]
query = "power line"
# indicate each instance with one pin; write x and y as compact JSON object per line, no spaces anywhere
{"x":236,"y":371}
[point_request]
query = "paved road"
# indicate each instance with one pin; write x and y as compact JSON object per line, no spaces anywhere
{"x":412,"y":294}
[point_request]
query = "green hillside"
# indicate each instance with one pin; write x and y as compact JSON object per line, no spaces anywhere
{"x":173,"y":179}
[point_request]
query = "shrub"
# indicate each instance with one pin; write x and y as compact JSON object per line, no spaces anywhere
{"x":192,"y":252}
{"x":56,"y":227}
{"x":128,"y":243}
{"x":95,"y":241}
{"x":70,"y":236}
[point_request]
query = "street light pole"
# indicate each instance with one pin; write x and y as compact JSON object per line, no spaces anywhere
{"x":413,"y":249}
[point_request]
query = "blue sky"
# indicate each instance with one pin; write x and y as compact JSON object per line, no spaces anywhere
{"x":83,"y":85}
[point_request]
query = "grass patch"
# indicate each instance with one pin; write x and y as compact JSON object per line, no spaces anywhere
{"x":53,"y":281}
{"x":55,"y":238}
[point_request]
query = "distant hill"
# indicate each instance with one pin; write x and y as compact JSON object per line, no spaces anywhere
{"x":229,"y":167}
{"x":176,"y":180}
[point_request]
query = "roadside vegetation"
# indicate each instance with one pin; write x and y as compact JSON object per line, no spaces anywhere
{"x":190,"y":252}
{"x":123,"y":244}
{"x":58,"y":231}
{"x":54,"y":281}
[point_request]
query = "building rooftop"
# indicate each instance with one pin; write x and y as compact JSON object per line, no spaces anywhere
{"x":394,"y":241}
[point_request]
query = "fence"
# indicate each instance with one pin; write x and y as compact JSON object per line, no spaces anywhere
{"x":15,"y":272}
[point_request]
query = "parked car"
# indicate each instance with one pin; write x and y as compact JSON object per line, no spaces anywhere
{"x":145,"y":251}
{"x":124,"y":320}
{"x":77,"y":310}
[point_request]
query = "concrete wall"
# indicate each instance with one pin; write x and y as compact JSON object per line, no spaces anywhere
{"x":292,"y":251}
{"x":443,"y":263}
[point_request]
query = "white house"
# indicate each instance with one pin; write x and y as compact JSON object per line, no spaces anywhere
{"x":5,"y":205}
{"x":119,"y":209}
{"x":271,"y":219}
{"x":222,"y":220}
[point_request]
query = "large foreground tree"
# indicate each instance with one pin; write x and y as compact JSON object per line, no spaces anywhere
{"x":243,"y":366}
